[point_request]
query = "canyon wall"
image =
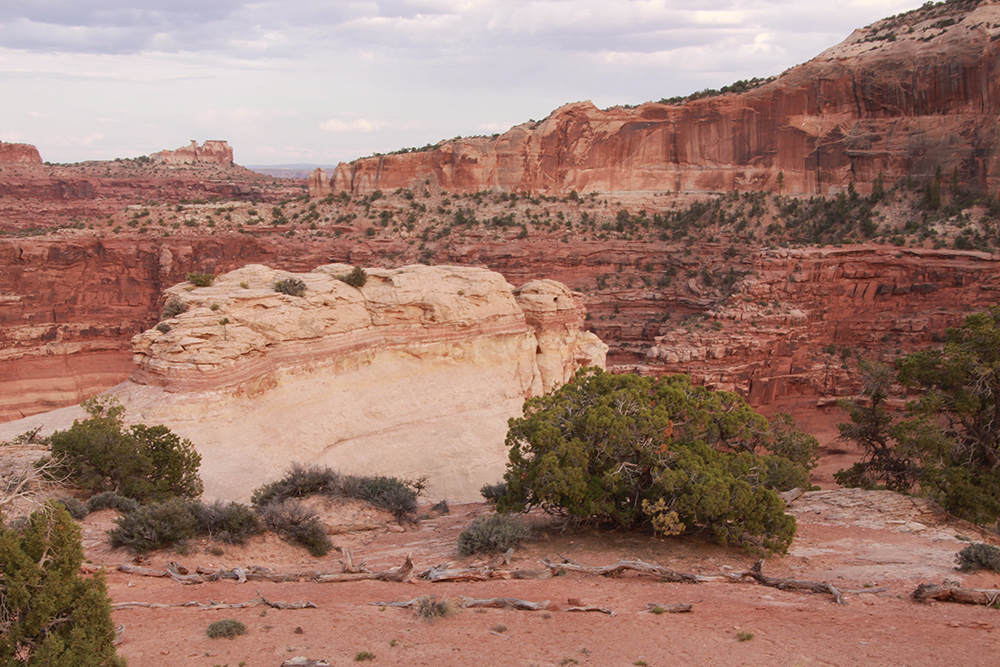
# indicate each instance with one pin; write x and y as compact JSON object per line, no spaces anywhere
{"x":414,"y":374}
{"x":800,"y":320}
{"x":902,"y":97}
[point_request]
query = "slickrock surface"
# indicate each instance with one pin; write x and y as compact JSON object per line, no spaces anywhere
{"x":905,"y":95}
{"x":413,"y":375}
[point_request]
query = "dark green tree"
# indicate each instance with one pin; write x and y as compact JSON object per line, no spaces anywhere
{"x":947,"y":446}
{"x":49,"y":614}
{"x":147,"y":463}
{"x":956,"y":422}
{"x":886,"y":464}
{"x":634,"y":451}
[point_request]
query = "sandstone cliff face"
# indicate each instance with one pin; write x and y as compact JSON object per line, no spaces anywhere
{"x":24,"y":154}
{"x":800,"y":320}
{"x":413,"y":375}
{"x":926,"y":97}
{"x":210,"y":152}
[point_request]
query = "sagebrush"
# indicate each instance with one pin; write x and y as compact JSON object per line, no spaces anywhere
{"x":493,"y":534}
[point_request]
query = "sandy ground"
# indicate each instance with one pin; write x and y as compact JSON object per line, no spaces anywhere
{"x":876,"y":544}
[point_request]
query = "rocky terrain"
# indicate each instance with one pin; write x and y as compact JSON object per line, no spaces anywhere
{"x":413,"y":374}
{"x":902,"y":97}
{"x":876,"y":547}
{"x":759,"y":289}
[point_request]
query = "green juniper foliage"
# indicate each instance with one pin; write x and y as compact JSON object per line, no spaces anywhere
{"x":49,"y":614}
{"x":146,"y":463}
{"x":634,"y":451}
{"x":947,"y":446}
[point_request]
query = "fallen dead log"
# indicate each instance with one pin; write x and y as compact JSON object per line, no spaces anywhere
{"x":757,"y":575}
{"x":129,"y":568}
{"x":260,"y":600}
{"x":242,"y":575}
{"x":663,"y":573}
{"x":679,"y":608}
{"x":955,"y":593}
{"x":603,"y":610}
{"x":401,"y":573}
{"x":503,"y":603}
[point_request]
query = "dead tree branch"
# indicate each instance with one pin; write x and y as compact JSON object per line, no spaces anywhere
{"x":757,"y":575}
{"x":664,"y":573}
{"x":954,"y":593}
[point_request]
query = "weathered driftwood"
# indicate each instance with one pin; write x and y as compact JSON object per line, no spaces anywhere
{"x":954,"y":593}
{"x":503,"y":603}
{"x":260,"y":600}
{"x":241,"y":575}
{"x":679,"y":608}
{"x":401,"y":573}
{"x":602,"y":610}
{"x":129,"y":568}
{"x":664,"y":573}
{"x":757,"y":575}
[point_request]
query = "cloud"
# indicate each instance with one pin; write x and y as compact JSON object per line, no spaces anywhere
{"x":359,"y":125}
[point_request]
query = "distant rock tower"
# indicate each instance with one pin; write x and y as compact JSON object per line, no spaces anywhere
{"x":210,"y":152}
{"x":319,"y":184}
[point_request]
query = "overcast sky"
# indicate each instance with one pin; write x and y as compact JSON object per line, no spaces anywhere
{"x":321,"y":81}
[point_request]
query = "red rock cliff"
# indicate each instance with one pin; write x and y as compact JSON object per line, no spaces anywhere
{"x":903,"y":96}
{"x":19,"y":154}
{"x":210,"y":152}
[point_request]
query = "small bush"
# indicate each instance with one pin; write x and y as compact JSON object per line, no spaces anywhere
{"x":299,"y":481}
{"x":296,"y":523}
{"x":291,"y":286}
{"x":390,"y":494}
{"x":744,"y":636}
{"x":172,"y":308}
{"x":201,"y":279}
{"x":493,"y":492}
{"x":109,"y":500}
{"x":76,"y":509}
{"x":356,"y":278}
{"x":979,"y":556}
{"x":228,"y":522}
{"x":155,"y":526}
{"x":227,"y":627}
{"x":364,"y":655}
{"x":493,"y":534}
{"x":429,"y":607}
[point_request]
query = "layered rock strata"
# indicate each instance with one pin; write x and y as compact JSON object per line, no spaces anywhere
{"x":902,"y":97}
{"x":212,"y":151}
{"x":800,"y":319}
{"x":413,"y":375}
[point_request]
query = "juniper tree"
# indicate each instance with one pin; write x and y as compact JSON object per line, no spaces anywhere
{"x":49,"y":614}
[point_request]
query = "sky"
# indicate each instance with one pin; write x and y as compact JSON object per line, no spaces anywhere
{"x":324,"y":81}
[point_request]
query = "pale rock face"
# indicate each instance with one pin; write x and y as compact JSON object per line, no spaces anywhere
{"x":413,"y":375}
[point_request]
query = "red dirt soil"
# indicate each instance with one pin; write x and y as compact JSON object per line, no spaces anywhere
{"x":878,"y":546}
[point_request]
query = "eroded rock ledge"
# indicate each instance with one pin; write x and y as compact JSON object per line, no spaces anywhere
{"x":414,"y":375}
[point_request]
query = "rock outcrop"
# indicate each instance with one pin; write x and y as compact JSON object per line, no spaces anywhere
{"x":21,"y":154}
{"x":414,"y":375}
{"x":210,"y":152}
{"x":319,"y":184}
{"x":902,"y":97}
{"x":800,"y":319}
